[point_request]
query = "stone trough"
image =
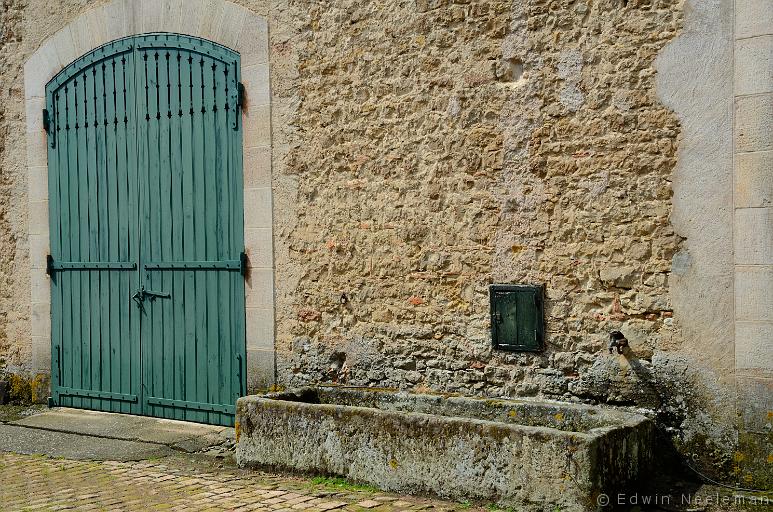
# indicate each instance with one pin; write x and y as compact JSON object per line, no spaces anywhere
{"x":528,"y":454}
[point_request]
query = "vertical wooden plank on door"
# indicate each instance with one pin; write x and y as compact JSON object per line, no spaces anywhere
{"x":224,"y":246}
{"x":189,"y":248}
{"x":68,"y":158}
{"x":236,"y":180}
{"x":84,"y":203}
{"x":200,"y":232}
{"x":178,"y":225}
{"x":153,"y":235}
{"x":55,"y":158}
{"x":79,"y":211}
{"x":132,"y":124}
{"x":164,"y":306}
{"x":99,"y":369}
{"x":142,"y":99}
{"x":123,"y":363}
{"x":210,"y":233}
{"x":111,"y":330}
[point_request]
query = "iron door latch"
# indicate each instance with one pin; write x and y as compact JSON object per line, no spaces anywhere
{"x":142,"y":295}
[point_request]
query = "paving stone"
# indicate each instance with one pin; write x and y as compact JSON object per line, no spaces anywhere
{"x":40,"y":483}
{"x":369,"y":504}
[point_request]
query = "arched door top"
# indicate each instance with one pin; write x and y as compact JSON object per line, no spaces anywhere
{"x":144,"y":41}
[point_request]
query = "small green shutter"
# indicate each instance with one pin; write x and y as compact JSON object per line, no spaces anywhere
{"x":517,"y":317}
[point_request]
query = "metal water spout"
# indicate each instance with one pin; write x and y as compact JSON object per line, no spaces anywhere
{"x":617,"y":340}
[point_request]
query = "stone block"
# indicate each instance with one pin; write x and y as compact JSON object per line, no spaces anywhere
{"x":253,"y":40}
{"x":754,"y":345}
{"x":37,"y":149}
{"x":41,"y":353}
{"x":152,"y":15}
{"x":37,"y":184}
{"x":231,"y":23}
{"x":34,"y":111}
{"x":257,"y":125}
{"x":754,"y":123}
{"x":39,"y":248}
{"x":256,"y":83}
{"x":212,"y":14}
{"x":258,"y":244}
{"x":753,"y":236}
{"x":754,"y":180}
{"x":190,"y":16}
{"x":35,"y":76}
{"x":115,"y":23}
{"x":171,"y":12}
{"x":39,"y":218}
{"x":259,"y":288}
{"x":40,"y":319}
{"x":260,"y":328}
{"x":40,"y":286}
{"x":261,"y":373}
{"x":753,"y":18}
{"x":257,"y":207}
{"x":64,"y":44}
{"x":257,"y":167}
{"x":96,"y":23}
{"x":755,"y":403}
{"x":754,"y":65}
{"x":754,"y":293}
{"x":81,"y":36}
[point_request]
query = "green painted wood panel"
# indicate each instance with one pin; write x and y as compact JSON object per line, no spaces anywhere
{"x":517,"y":317}
{"x":145,"y":167}
{"x":93,"y":330}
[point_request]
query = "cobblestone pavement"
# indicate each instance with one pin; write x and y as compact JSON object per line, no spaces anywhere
{"x":33,"y":482}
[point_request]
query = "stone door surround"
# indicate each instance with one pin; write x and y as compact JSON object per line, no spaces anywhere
{"x":220,"y":21}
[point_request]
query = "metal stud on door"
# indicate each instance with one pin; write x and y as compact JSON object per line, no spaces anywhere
{"x":147,"y":225}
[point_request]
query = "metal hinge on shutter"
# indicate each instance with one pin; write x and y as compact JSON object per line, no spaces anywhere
{"x":237,"y":98}
{"x":49,"y":129}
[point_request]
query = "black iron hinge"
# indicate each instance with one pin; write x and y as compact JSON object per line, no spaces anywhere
{"x":240,"y":100}
{"x":243,"y":263}
{"x":49,"y":265}
{"x":46,"y":120}
{"x":48,"y":128}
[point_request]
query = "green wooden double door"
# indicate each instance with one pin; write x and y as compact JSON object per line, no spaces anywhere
{"x":146,"y":222}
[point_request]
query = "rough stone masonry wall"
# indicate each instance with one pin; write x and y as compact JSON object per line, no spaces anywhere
{"x":14,"y":306}
{"x":435,"y":147}
{"x":423,"y":149}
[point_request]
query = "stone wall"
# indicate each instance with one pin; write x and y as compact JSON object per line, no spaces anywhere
{"x":439,"y":147}
{"x":424,"y":149}
{"x":14,"y":306}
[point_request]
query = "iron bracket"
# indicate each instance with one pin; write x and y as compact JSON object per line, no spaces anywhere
{"x":243,"y":263}
{"x":240,"y":101}
{"x":49,"y":265}
{"x":46,"y":120}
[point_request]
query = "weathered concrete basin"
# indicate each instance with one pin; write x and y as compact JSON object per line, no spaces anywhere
{"x":521,"y":453}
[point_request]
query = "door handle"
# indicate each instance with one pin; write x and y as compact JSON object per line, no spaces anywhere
{"x":156,"y":295}
{"x":142,"y":295}
{"x":139,"y":297}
